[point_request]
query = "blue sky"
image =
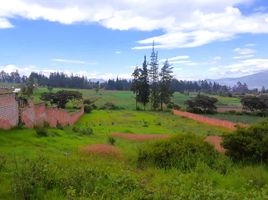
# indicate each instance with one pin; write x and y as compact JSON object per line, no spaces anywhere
{"x":105,"y":39}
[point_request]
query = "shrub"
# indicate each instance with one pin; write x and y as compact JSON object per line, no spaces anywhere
{"x":182,"y":152}
{"x":109,"y":106}
{"x":88,"y":102}
{"x":248,"y":144}
{"x":172,"y":105}
{"x":3,"y":161}
{"x":59,"y":126}
{"x":111,"y":140}
{"x":41,"y":131}
{"x":87,"y":131}
{"x":88,"y":108}
{"x":83,"y":131}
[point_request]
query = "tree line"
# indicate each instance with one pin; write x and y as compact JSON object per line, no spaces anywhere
{"x":62,"y":80}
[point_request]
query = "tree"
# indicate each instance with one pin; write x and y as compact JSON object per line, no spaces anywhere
{"x":144,"y":92}
{"x":256,"y":103}
{"x":61,"y":97}
{"x":165,"y":84}
{"x":154,"y":80}
{"x":28,"y":87}
{"x":201,"y":104}
{"x":251,"y":103}
{"x":135,"y":87}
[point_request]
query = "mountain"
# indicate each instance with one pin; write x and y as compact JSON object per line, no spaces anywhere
{"x":253,"y":81}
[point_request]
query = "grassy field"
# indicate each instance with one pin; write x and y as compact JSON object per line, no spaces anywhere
{"x":126,"y":99}
{"x":59,"y":163}
{"x":238,"y":118}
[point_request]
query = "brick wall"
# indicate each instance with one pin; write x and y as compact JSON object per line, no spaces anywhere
{"x":9,"y":114}
{"x":38,"y":114}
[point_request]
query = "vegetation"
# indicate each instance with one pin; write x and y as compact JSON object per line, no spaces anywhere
{"x":248,"y":144}
{"x":183,"y":152}
{"x":256,"y":104}
{"x":52,"y":167}
{"x":61,"y":98}
{"x":201,"y":104}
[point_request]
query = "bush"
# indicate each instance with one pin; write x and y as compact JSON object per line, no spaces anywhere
{"x":109,"y":106}
{"x":182,"y":152}
{"x":83,"y":131}
{"x":111,"y":140}
{"x":41,"y":131}
{"x":248,"y":144}
{"x":59,"y":126}
{"x":88,"y":108}
{"x":3,"y":161}
{"x":172,"y":105}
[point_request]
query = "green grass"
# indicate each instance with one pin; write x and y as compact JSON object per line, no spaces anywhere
{"x":126,"y":99}
{"x":243,"y":118}
{"x":113,"y":178}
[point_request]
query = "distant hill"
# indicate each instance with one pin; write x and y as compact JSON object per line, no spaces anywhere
{"x":253,"y":81}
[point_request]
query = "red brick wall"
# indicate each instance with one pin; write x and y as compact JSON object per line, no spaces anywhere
{"x":207,"y":120}
{"x":9,"y":114}
{"x":38,"y":114}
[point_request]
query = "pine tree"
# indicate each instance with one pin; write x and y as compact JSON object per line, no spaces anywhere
{"x":165,"y":84}
{"x":144,"y":93}
{"x":154,"y":80}
{"x":135,"y":86}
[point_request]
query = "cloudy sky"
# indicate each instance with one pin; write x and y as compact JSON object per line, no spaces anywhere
{"x":106,"y":38}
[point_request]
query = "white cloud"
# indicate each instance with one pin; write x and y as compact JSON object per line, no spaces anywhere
{"x":26,"y":70}
{"x":244,"y":51}
{"x":4,"y":23}
{"x":241,"y":68}
{"x":117,"y":52}
{"x":184,"y":23}
{"x":69,"y":61}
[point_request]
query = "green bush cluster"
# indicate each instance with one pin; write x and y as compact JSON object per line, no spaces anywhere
{"x":59,"y":126}
{"x":3,"y":161}
{"x":248,"y":144}
{"x":109,"y":106}
{"x":83,"y":131}
{"x":41,"y":131}
{"x":182,"y":152}
{"x":111,"y":140}
{"x":89,"y":105}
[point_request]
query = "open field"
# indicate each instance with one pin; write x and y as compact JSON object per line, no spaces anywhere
{"x":126,"y":99}
{"x":62,"y":159}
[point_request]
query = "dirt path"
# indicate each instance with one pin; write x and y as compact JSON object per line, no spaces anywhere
{"x":210,"y":121}
{"x":103,"y":149}
{"x":140,"y":137}
{"x":216,"y":142}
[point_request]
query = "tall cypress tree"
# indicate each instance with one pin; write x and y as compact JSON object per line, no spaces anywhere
{"x":154,"y":80}
{"x":135,"y":86}
{"x":144,"y":93}
{"x":165,"y":84}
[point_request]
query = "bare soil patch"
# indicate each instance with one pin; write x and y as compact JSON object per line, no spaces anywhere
{"x":216,"y":142}
{"x":140,"y":137}
{"x":103,"y":149}
{"x":208,"y":120}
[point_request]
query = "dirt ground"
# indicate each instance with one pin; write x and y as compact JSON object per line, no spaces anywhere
{"x":104,"y":149}
{"x":216,"y":142}
{"x":140,"y":137}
